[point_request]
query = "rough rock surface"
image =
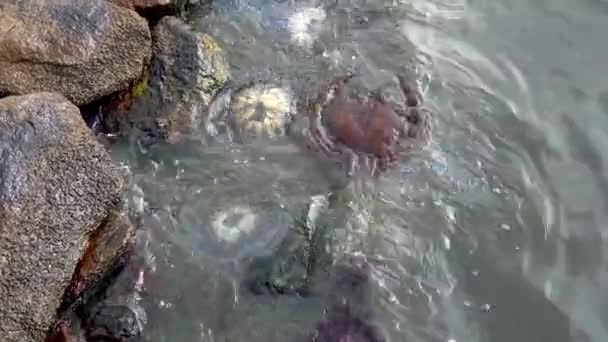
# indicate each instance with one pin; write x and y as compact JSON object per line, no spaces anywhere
{"x":143,"y":4}
{"x":118,"y":313}
{"x":58,"y":187}
{"x":82,"y":49}
{"x":188,"y":68}
{"x":154,"y":10}
{"x":110,"y":241}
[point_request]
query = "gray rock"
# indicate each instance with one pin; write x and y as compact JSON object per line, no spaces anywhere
{"x":82,"y":49}
{"x":117,"y":313}
{"x":160,"y":7}
{"x":188,"y":68}
{"x":58,"y":189}
{"x":306,"y":252}
{"x":143,"y":4}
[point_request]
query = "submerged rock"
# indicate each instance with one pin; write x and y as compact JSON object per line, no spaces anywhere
{"x":117,"y":313}
{"x":59,"y":193}
{"x":82,"y":49}
{"x":188,"y":68}
{"x":111,"y":311}
{"x":289,"y":269}
{"x":344,"y":326}
{"x":316,"y":260}
{"x":349,"y":304}
{"x":310,"y":253}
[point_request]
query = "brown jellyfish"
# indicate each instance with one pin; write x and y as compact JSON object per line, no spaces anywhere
{"x":367,"y":128}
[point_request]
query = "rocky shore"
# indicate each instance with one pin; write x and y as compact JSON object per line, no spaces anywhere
{"x":75,"y":74}
{"x":63,"y":226}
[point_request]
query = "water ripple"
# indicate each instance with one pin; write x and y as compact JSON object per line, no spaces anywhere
{"x":496,"y":223}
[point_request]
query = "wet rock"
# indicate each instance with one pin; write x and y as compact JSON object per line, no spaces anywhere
{"x":58,"y":193}
{"x":105,"y":247}
{"x":152,"y":10}
{"x":64,"y":333}
{"x":188,"y":69}
{"x":159,"y":8}
{"x":114,"y":321}
{"x":92,"y":318}
{"x":314,"y":261}
{"x":110,"y":310}
{"x":116,"y":314}
{"x":103,"y":116}
{"x":288,"y":270}
{"x":82,"y":49}
{"x":308,"y":264}
{"x":143,"y":4}
{"x":345,"y":326}
{"x":304,"y":254}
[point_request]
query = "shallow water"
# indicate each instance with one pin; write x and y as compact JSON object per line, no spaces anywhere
{"x":495,"y":232}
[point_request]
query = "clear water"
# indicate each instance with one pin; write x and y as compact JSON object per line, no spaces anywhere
{"x":496,"y":232}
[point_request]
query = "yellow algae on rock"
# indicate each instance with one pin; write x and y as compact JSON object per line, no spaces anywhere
{"x":216,"y":56}
{"x":140,"y":87}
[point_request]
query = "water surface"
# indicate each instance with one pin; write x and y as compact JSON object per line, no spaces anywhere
{"x":495,"y":232}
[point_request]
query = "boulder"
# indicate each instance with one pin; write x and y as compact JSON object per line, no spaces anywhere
{"x":161,"y":6}
{"x":82,"y":49}
{"x":59,"y":198}
{"x":154,"y":10}
{"x":187,"y":70}
{"x":143,"y":4}
{"x":117,"y":313}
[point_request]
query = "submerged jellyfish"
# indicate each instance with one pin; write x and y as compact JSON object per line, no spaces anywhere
{"x":348,"y":320}
{"x":367,"y":128}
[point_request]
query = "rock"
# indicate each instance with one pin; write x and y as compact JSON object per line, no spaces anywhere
{"x":115,"y":321}
{"x":59,"y":193}
{"x":158,"y":8}
{"x":116,"y":313}
{"x":82,"y":49}
{"x":109,"y":242}
{"x":346,"y":327}
{"x":117,"y":104}
{"x":143,"y":4}
{"x":299,"y":257}
{"x":311,"y":262}
{"x":188,"y":68}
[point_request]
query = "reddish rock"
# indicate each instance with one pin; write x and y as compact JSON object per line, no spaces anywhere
{"x":104,"y":246}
